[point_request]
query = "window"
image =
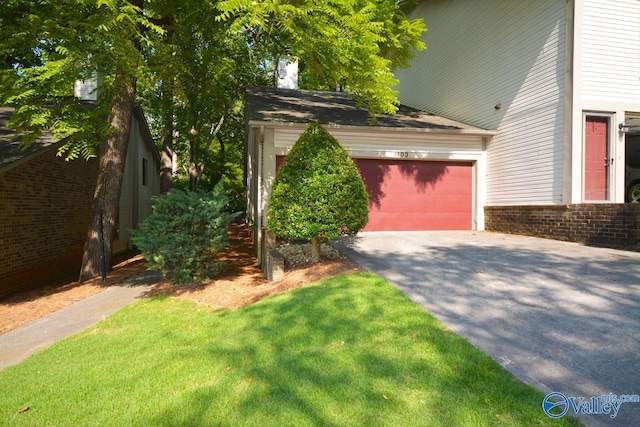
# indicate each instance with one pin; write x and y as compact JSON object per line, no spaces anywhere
{"x":145,"y":171}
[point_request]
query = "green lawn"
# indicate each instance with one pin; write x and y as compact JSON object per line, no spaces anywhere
{"x":350,"y":350}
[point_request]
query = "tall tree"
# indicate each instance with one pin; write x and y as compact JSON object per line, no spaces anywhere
{"x":209,"y":70}
{"x":74,"y":42}
{"x":214,"y":60}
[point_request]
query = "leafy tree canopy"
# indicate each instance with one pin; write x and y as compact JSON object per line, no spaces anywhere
{"x":208,"y":50}
{"x":195,"y":57}
{"x":47,"y":46}
{"x":351,"y":45}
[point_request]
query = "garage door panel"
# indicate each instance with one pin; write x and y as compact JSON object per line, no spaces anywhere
{"x":418,"y":195}
{"x":416,"y":221}
{"x":409,"y":203}
{"x":408,"y":195}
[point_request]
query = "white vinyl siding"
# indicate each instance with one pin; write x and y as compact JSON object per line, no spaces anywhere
{"x":485,"y":53}
{"x":119,"y":244}
{"x":611,"y":50}
{"x":135,"y":198}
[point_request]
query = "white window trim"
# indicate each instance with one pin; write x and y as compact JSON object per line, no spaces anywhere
{"x":611,"y":155}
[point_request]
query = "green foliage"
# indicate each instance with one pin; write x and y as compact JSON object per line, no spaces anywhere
{"x":46,"y":46}
{"x":193,"y":60}
{"x":351,"y":45}
{"x":198,"y":79}
{"x":319,"y":191}
{"x":184,"y":233}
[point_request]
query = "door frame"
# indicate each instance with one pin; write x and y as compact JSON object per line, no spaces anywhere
{"x":610,"y":197}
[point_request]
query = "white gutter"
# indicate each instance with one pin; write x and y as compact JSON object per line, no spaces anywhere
{"x":460,"y":131}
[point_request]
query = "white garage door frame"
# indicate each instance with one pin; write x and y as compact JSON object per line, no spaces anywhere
{"x":417,"y":195}
{"x":371,"y":143}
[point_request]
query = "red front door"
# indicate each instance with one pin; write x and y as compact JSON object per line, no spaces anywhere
{"x":596,"y":159}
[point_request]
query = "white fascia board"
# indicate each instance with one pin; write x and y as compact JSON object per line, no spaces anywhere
{"x":285,"y":125}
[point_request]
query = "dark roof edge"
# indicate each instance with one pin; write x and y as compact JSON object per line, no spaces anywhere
{"x":31,"y":156}
{"x":277,"y":107}
{"x":143,"y":125}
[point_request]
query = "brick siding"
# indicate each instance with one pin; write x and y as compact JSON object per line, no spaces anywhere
{"x":45,"y":207}
{"x":606,"y":225}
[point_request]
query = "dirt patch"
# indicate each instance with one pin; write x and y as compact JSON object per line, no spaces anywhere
{"x":242,"y":283}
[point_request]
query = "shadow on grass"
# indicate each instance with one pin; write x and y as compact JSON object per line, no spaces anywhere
{"x":353,"y":351}
{"x":350,"y":350}
{"x":561,"y":316}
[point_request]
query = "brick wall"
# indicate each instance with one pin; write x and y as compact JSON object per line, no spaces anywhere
{"x":45,"y":207}
{"x":607,"y":225}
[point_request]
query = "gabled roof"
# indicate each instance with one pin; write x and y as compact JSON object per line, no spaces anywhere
{"x":11,"y":155}
{"x":270,"y":105}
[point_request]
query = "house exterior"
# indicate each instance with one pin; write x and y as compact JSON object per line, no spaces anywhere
{"x":45,"y":204}
{"x":141,"y":181}
{"x":559,"y":83}
{"x":422,"y":171}
{"x":543,"y":100}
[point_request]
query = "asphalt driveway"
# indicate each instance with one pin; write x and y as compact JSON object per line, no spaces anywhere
{"x":560,"y":316}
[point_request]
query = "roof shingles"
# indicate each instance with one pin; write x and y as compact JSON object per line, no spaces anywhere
{"x":277,"y":105}
{"x":10,"y":151}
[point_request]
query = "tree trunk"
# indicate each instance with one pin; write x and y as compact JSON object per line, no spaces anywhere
{"x":193,"y":165}
{"x":223,"y":160}
{"x":106,"y":199}
{"x":316,"y":254}
{"x":166,"y":160}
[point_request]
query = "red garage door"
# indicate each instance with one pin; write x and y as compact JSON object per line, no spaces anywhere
{"x":417,"y":195}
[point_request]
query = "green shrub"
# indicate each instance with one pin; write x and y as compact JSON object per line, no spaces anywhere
{"x":318,"y":193}
{"x":183,"y":234}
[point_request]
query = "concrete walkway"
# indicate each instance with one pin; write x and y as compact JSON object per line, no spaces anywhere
{"x":18,"y":344}
{"x":560,"y":316}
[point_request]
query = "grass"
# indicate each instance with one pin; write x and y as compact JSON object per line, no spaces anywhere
{"x":349,"y":350}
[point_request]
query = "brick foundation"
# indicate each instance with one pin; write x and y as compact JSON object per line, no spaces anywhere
{"x":606,"y":225}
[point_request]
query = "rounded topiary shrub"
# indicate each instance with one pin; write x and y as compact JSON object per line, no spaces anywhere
{"x":184,"y":233}
{"x":318,"y":193}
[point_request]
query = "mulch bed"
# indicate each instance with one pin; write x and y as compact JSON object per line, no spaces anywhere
{"x":24,"y":307}
{"x":242,"y":283}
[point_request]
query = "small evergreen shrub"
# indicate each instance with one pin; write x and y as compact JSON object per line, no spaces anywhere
{"x":184,"y":233}
{"x":318,"y":193}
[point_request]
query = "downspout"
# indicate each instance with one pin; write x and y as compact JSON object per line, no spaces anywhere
{"x":136,"y":169}
{"x":259,"y":206}
{"x":568,"y":179}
